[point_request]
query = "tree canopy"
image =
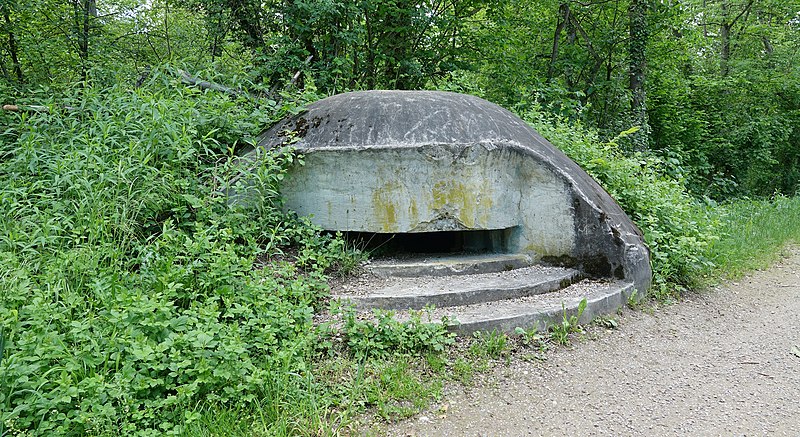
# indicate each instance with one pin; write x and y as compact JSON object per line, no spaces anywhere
{"x":712,"y":85}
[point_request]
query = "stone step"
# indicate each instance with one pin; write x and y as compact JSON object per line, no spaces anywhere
{"x":536,"y":311}
{"x":448,"y":265}
{"x":450,"y":291}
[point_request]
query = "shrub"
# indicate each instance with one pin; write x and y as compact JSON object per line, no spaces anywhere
{"x":676,"y":227}
{"x":387,"y":336}
{"x":129,"y":289}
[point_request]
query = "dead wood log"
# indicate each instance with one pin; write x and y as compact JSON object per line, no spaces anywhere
{"x":35,"y":108}
{"x":194,"y":81}
{"x":26,"y":108}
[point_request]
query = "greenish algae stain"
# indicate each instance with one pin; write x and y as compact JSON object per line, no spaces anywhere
{"x":413,"y":211}
{"x":384,"y":207}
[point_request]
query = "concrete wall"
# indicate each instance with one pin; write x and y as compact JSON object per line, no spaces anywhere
{"x":436,"y":188}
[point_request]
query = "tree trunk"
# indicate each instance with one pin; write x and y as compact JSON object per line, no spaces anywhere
{"x":166,"y":29}
{"x":84,"y":11}
{"x":12,"y":46}
{"x":726,"y":33}
{"x":563,"y":19}
{"x":637,"y":14}
{"x":725,"y":42}
{"x":217,"y":33}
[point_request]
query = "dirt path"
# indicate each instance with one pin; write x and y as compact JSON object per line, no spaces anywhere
{"x":718,"y":363}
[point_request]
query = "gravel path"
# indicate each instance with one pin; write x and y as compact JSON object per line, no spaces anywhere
{"x":717,"y":363}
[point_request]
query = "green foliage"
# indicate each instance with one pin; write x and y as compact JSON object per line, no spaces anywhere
{"x":386,"y":335}
{"x":731,"y":136}
{"x":397,"y":390}
{"x":677,"y":229}
{"x":560,"y":332}
{"x":752,"y":234}
{"x":531,"y":338}
{"x":492,"y":345}
{"x":606,"y":322}
{"x":463,"y":370}
{"x":325,"y":400}
{"x":290,"y":403}
{"x":724,"y":135}
{"x":333,"y":253}
{"x":134,"y":299}
{"x":129,"y":289}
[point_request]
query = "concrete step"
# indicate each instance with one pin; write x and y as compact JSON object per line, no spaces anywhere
{"x":448,"y":265}
{"x":537,"y":311}
{"x":449,"y":291}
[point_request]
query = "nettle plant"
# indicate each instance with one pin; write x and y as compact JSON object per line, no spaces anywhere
{"x":129,"y":289}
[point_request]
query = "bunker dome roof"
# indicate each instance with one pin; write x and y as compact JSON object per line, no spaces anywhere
{"x":405,"y":118}
{"x":397,"y":120}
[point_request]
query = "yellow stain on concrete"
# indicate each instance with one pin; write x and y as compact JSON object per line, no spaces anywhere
{"x":471,"y":203}
{"x":413,"y":211}
{"x":383,"y":205}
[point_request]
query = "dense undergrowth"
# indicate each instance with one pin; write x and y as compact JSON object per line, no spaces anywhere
{"x":677,"y":228}
{"x":135,"y":300}
{"x":131,"y":293}
{"x":693,"y":241}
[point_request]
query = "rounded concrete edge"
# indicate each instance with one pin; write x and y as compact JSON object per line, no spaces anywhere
{"x":541,"y":317}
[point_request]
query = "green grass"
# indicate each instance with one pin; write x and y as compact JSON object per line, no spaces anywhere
{"x":752,"y":235}
{"x":135,"y":300}
{"x":493,"y":345}
{"x":329,"y":402}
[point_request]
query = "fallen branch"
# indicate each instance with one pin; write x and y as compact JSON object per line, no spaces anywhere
{"x":188,"y":79}
{"x":194,"y":81}
{"x":26,"y":108}
{"x":296,"y":76}
{"x":35,"y":108}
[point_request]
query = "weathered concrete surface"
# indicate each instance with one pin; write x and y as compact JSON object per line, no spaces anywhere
{"x":440,"y":187}
{"x":540,"y":311}
{"x":546,"y":305}
{"x":421,"y":161}
{"x":464,"y":290}
{"x":449,"y":265}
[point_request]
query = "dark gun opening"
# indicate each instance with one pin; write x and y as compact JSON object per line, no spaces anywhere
{"x":430,"y":243}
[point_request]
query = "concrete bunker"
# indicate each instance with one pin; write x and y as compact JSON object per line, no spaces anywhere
{"x":455,"y":172}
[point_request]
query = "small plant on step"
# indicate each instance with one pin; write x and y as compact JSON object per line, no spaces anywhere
{"x":533,"y":339}
{"x":633,"y":300}
{"x":560,"y":332}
